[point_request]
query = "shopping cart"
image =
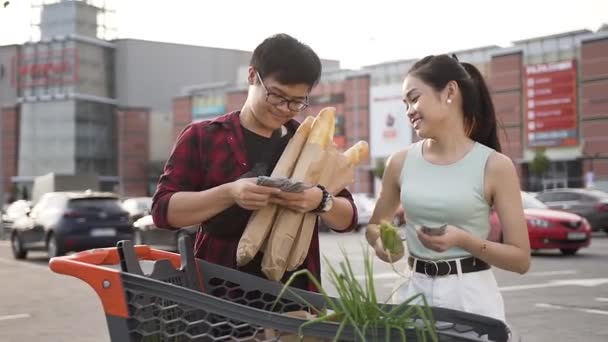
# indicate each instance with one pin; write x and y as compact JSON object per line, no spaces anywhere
{"x":153,"y":295}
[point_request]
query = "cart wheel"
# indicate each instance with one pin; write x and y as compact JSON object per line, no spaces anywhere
{"x":17,"y":246}
{"x":52,"y":246}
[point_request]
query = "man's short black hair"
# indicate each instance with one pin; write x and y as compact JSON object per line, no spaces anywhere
{"x":287,"y":59}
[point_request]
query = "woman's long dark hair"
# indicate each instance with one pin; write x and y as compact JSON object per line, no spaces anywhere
{"x":477,"y":107}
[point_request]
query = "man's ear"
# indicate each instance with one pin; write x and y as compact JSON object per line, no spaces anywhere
{"x":251,"y":76}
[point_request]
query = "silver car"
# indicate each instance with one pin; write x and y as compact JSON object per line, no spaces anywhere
{"x":591,"y":204}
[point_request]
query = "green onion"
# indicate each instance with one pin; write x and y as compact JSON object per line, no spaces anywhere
{"x":357,"y":305}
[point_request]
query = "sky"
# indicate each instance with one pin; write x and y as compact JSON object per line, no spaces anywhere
{"x":357,"y":33}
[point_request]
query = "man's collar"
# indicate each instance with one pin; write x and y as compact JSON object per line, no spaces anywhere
{"x":233,"y":119}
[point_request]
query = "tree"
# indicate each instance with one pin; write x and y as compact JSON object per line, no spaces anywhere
{"x":540,"y":164}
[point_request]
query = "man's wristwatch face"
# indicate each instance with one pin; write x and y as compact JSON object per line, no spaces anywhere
{"x":329,"y":203}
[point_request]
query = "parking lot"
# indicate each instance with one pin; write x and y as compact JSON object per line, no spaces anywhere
{"x":562,"y":298}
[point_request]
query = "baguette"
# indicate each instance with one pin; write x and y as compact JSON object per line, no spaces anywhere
{"x":335,"y":178}
{"x":308,"y":169}
{"x":261,"y":221}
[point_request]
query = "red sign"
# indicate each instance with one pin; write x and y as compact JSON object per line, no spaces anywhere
{"x":551,"y":104}
{"x":48,"y":68}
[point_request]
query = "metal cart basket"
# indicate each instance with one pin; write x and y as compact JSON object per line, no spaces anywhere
{"x":153,"y":295}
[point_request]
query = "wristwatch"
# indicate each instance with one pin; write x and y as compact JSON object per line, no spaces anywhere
{"x":327,"y":201}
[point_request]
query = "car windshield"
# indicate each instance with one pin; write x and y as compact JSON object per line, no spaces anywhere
{"x":108,"y":204}
{"x":530,"y":202}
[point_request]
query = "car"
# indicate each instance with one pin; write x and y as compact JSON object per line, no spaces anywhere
{"x":13,"y":212}
{"x":146,"y":233}
{"x":62,"y":222}
{"x":365,"y":207}
{"x":137,"y":207}
{"x":547,"y":228}
{"x":589,"y":203}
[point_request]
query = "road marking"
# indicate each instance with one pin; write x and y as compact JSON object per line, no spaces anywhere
{"x":599,"y":299}
{"x":558,"y":283}
{"x":10,"y":317}
{"x":551,"y":273}
{"x":560,"y":307}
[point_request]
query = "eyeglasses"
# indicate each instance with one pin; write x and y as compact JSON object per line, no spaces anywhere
{"x":277,"y":100}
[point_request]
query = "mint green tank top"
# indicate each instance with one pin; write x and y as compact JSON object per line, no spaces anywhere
{"x":433,"y":195}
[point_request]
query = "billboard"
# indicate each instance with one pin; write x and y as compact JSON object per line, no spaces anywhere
{"x":49,"y":67}
{"x":208,"y":106}
{"x":390,"y":130}
{"x":551,"y":116}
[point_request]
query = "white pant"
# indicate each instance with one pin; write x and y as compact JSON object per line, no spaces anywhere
{"x":474,"y":292}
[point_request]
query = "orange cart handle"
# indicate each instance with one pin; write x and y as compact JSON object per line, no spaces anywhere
{"x":88,"y":266}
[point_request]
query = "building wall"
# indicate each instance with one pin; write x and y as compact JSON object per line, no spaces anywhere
{"x":10,"y":145}
{"x":151,"y":74}
{"x":594,"y":107}
{"x":356,"y":111}
{"x":8,"y":91}
{"x":235,"y":100}
{"x":133,"y":150}
{"x":161,"y":135}
{"x":505,"y":82}
{"x":47,"y":139}
{"x":182,"y":115}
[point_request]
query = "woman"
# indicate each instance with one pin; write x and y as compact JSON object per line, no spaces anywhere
{"x":447,"y":183}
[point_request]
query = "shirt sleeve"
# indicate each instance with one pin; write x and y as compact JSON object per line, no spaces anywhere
{"x":353,"y":223}
{"x":182,"y":172}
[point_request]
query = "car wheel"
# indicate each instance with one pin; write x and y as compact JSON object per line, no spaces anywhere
{"x":571,"y":251}
{"x":17,"y":246}
{"x":138,"y":238}
{"x":53,"y":248}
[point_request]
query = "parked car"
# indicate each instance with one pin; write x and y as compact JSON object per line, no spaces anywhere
{"x":137,"y":207}
{"x":146,"y":233}
{"x":548,"y":229}
{"x":591,"y":204}
{"x":63,"y":222}
{"x":13,"y":212}
{"x":365,"y":207}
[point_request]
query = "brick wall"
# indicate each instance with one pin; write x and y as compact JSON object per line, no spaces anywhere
{"x":10,"y":142}
{"x":133,"y":150}
{"x":235,"y":100}
{"x":182,"y":114}
{"x":505,"y":82}
{"x":356,"y":112}
{"x":594,"y":105}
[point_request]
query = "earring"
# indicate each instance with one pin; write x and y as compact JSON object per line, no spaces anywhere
{"x":449,"y":101}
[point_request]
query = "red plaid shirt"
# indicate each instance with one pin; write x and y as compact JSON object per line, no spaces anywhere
{"x":208,"y":154}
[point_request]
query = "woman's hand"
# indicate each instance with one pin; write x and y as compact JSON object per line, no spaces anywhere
{"x":452,"y":237}
{"x":385,"y":255}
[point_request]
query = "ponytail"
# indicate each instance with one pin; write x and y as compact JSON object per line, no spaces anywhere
{"x":483,"y":123}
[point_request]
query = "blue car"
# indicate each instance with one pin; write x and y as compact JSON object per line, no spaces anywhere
{"x":63,"y":222}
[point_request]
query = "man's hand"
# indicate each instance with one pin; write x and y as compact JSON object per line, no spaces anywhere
{"x":248,"y":195}
{"x":301,"y":202}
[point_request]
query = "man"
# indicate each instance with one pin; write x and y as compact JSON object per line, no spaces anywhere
{"x":210,"y":177}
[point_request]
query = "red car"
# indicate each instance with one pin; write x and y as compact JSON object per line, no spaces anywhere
{"x":549,"y":229}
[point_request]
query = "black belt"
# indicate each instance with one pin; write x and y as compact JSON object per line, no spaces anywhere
{"x":440,"y":268}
